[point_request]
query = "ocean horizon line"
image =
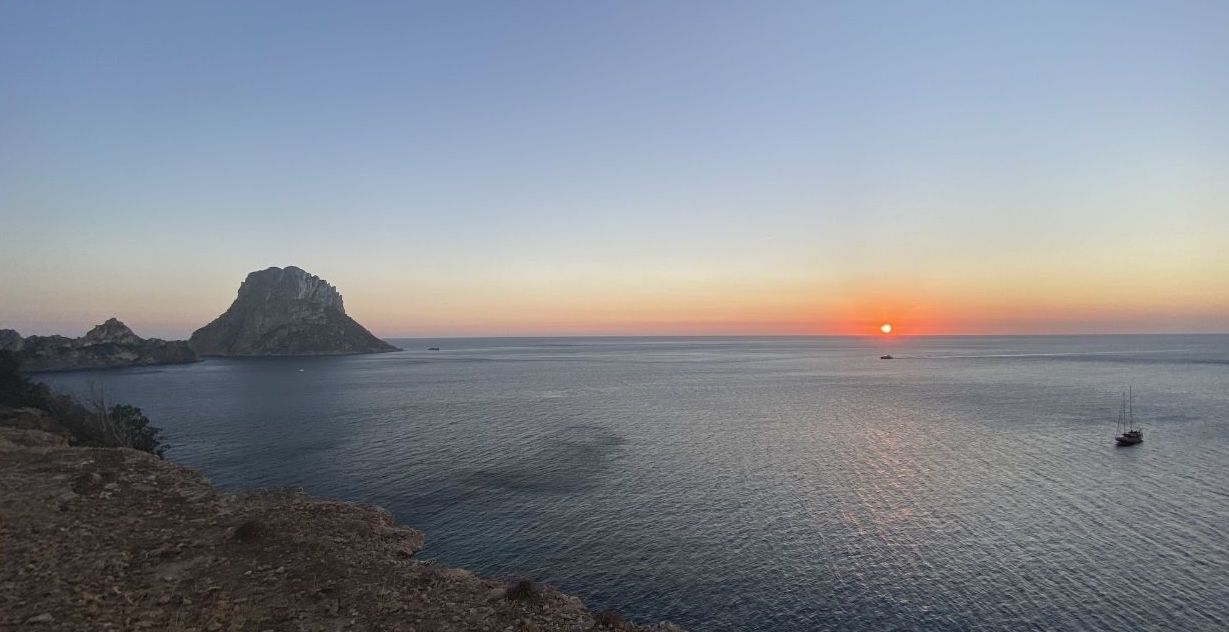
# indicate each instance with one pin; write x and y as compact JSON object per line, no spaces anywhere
{"x":868,"y":335}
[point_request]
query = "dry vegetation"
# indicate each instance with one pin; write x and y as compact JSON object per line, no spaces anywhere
{"x":93,"y":420}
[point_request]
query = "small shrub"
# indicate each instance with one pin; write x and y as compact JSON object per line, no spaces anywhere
{"x":248,"y":531}
{"x":132,"y":429}
{"x":523,"y":590}
{"x":430,"y":572}
{"x":609,"y":619}
{"x":99,"y":423}
{"x":95,"y":422}
{"x":16,"y":389}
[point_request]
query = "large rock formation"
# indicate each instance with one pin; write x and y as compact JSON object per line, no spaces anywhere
{"x":109,"y":345}
{"x":285,"y":311}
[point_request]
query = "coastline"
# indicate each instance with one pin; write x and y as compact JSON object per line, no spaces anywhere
{"x":114,"y":538}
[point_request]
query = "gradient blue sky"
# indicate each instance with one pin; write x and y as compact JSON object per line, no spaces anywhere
{"x":620,"y":167}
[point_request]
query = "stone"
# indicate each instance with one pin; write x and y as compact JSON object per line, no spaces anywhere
{"x":111,"y":331}
{"x":285,"y":312}
{"x":30,"y":438}
{"x":10,"y":340}
{"x":30,"y":419}
{"x":109,"y":345}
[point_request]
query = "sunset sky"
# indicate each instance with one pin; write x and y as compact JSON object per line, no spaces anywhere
{"x":512,"y":168}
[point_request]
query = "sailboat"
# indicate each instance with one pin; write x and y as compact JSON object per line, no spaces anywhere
{"x":1129,"y":433}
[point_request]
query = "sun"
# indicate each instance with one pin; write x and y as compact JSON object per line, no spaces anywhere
{"x":886,"y":328}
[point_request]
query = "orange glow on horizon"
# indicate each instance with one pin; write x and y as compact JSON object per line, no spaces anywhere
{"x":936,"y":314}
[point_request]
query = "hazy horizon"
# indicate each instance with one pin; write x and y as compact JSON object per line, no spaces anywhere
{"x":173,"y":333}
{"x":636,"y":168}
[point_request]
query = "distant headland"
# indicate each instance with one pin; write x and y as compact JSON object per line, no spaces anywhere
{"x":109,"y":345}
{"x":278,"y":312}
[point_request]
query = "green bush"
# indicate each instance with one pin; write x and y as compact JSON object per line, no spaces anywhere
{"x":95,"y":422}
{"x":523,"y":590}
{"x":16,"y":389}
{"x":126,"y":426}
{"x":609,"y":619}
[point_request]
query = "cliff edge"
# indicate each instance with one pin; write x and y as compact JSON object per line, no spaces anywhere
{"x":112,"y":538}
{"x":285,"y":311}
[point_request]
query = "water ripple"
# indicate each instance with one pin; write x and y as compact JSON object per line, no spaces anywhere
{"x":767,"y":484}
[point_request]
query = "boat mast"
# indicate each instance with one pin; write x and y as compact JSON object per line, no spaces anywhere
{"x":1131,"y":407}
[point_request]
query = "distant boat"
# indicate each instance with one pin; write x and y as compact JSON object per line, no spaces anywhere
{"x":886,"y":357}
{"x":1129,"y":432}
{"x":433,"y":348}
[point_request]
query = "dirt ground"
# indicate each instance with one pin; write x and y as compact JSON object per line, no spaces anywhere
{"x":115,"y":539}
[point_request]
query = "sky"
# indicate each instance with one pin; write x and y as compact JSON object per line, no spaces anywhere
{"x":585,"y":168}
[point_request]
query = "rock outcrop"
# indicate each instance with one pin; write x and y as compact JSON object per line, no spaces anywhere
{"x":115,"y":539}
{"x":11,"y":340}
{"x":109,"y":345}
{"x":285,"y":312}
{"x":29,"y":418}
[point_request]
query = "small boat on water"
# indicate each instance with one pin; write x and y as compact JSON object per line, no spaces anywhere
{"x":886,"y":357}
{"x":1128,"y":432}
{"x":433,"y":348}
{"x":1130,"y":437}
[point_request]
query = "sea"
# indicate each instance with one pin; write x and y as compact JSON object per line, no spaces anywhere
{"x":776,"y":484}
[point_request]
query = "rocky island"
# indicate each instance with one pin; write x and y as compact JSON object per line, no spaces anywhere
{"x":109,"y":345}
{"x":285,"y":312}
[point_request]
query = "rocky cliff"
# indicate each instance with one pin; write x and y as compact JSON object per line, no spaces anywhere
{"x":115,"y":539}
{"x":285,"y":311}
{"x":111,"y":344}
{"x":11,"y":340}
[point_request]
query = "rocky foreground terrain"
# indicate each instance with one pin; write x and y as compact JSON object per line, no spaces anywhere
{"x":116,"y":539}
{"x":285,"y":311}
{"x":109,"y":345}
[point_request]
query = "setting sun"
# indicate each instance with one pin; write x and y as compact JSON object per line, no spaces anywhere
{"x":886,"y":328}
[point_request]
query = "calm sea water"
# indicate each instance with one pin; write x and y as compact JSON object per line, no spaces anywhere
{"x":776,"y":484}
